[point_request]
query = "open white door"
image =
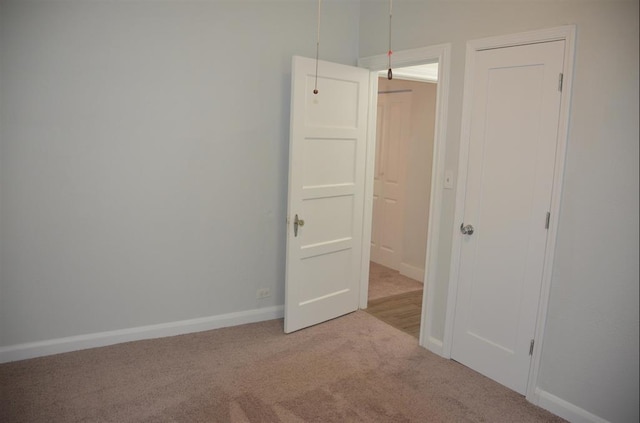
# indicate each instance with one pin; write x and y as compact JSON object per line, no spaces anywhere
{"x":327,"y":150}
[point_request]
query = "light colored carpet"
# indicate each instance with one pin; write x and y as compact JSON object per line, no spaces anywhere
{"x":386,"y":282}
{"x":351,"y":369}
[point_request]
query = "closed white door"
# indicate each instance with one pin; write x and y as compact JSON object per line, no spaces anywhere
{"x":512,"y":144}
{"x":389,"y":185}
{"x":326,"y":191}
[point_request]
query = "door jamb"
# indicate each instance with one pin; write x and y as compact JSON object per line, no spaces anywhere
{"x":440,"y":53}
{"x":568,"y":34}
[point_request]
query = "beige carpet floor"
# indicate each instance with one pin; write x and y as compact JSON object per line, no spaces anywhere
{"x":351,"y":369}
{"x":386,"y":282}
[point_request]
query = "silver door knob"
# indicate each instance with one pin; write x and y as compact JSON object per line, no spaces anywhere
{"x":466,"y":230}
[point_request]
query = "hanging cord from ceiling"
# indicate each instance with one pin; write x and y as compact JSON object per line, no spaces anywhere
{"x":390,"y":52}
{"x":315,"y":88}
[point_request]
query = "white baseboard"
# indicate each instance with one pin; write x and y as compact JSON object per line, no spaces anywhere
{"x":434,"y":345}
{"x":101,"y":339}
{"x":565,"y":409}
{"x":412,"y":272}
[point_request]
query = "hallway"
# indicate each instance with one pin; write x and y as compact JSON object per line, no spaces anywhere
{"x":395,"y":299}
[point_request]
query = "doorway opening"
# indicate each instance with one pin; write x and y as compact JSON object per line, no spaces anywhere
{"x":432,"y":315}
{"x":405,"y":130}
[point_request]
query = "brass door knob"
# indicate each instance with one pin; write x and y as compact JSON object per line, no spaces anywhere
{"x":296,"y":223}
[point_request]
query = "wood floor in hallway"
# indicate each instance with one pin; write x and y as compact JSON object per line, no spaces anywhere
{"x":395,"y":299}
{"x":402,"y":311}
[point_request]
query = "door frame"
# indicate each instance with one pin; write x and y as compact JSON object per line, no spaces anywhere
{"x":563,"y":33}
{"x":438,"y":53}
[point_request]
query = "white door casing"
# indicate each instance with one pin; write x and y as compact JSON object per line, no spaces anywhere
{"x":327,"y":154}
{"x":509,"y":183}
{"x":393,"y":131}
{"x":442,"y":55}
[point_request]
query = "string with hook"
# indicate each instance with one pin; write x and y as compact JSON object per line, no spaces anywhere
{"x":390,"y":52}
{"x":315,"y":88}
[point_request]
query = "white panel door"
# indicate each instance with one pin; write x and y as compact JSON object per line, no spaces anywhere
{"x":376,"y":212}
{"x":327,"y":149}
{"x":389,"y":185}
{"x":512,"y":145}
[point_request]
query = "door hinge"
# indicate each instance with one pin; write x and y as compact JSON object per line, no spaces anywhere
{"x":548,"y":219}
{"x":531,"y":347}
{"x":560,"y":80}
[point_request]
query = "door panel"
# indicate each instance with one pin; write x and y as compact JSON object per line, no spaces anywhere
{"x":331,"y":217}
{"x":377,"y":187}
{"x":513,"y":137}
{"x":394,"y":114}
{"x":326,"y":190}
{"x":340,"y":153}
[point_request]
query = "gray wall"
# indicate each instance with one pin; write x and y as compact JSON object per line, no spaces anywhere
{"x":144,"y":157}
{"x":590,"y":352}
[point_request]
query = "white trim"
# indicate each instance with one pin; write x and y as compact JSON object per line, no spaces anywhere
{"x":566,"y":33}
{"x":416,"y":56}
{"x":565,"y":409}
{"x":413,"y":78}
{"x":558,"y":33}
{"x":413,"y":272}
{"x":435,"y":206}
{"x":556,"y":199}
{"x":367,"y":219}
{"x":440,"y":53}
{"x":101,"y":339}
{"x":422,"y":73}
{"x":434,"y":345}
